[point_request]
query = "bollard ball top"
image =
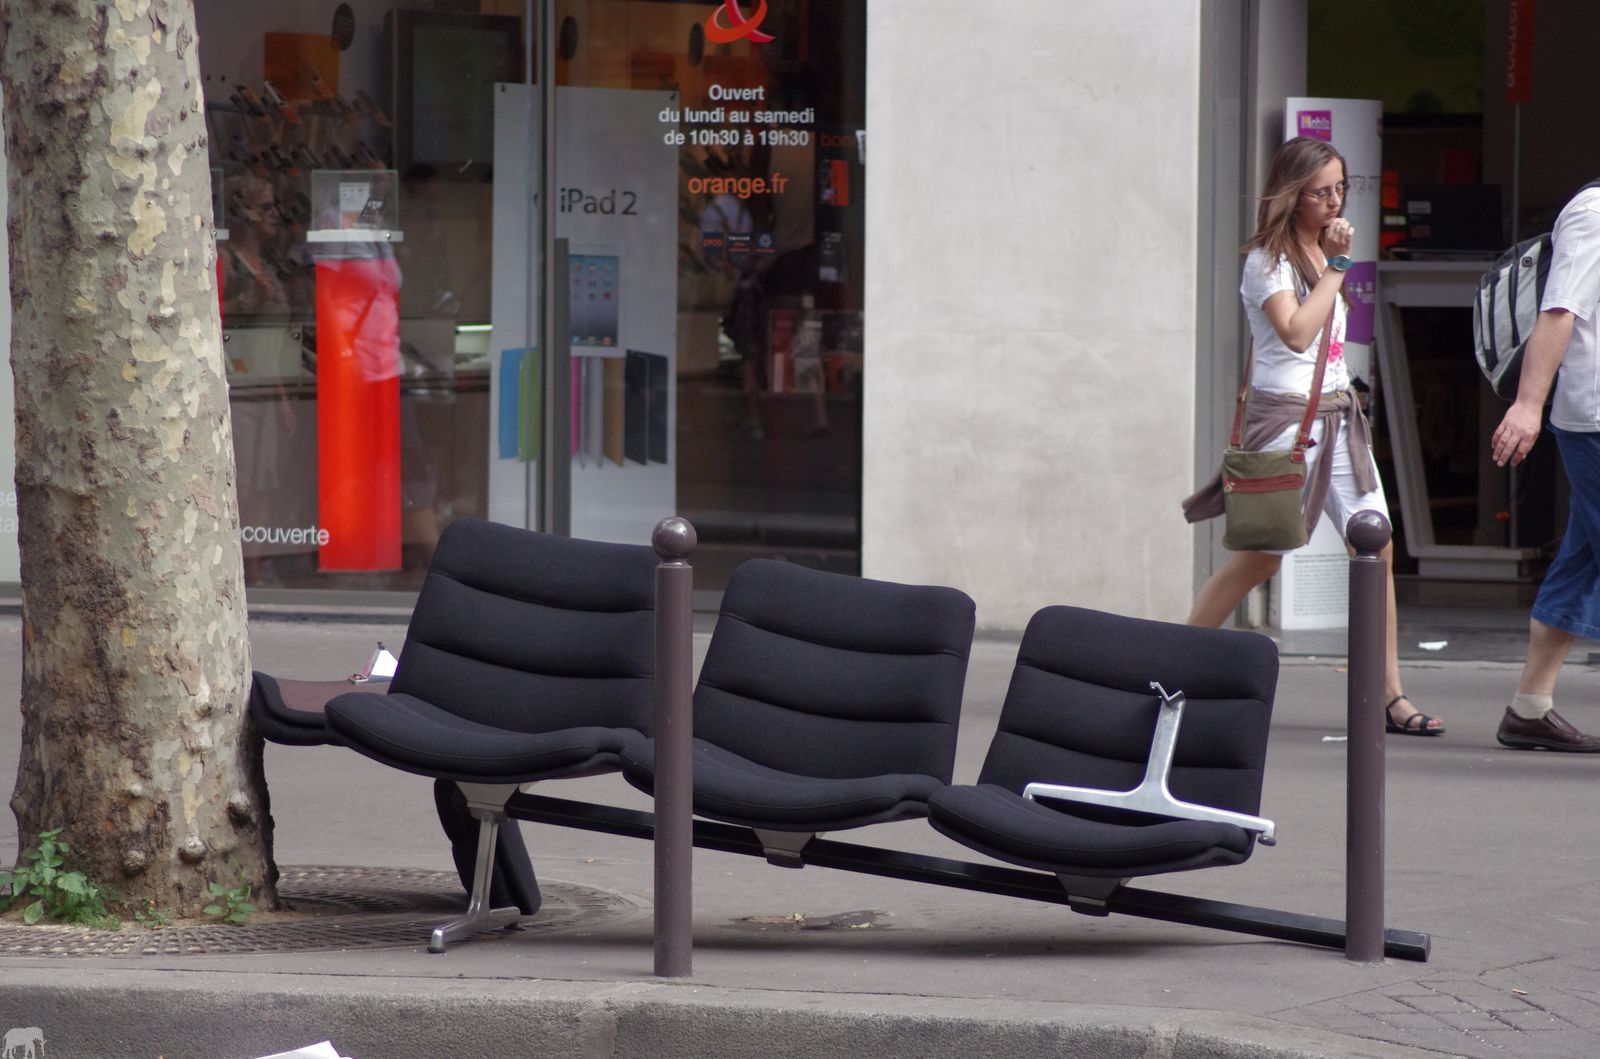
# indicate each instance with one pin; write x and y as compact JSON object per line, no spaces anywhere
{"x":674,"y":538}
{"x":1368,"y":532}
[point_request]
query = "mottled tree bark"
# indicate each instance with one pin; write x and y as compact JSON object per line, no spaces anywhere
{"x":135,"y":656}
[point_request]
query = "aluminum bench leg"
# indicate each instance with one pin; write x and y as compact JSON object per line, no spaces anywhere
{"x":1152,"y":795}
{"x":487,"y":804}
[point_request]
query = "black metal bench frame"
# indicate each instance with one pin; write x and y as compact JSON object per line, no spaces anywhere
{"x":1088,"y":896}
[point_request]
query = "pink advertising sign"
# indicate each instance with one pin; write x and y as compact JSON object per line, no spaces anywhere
{"x":1317,"y":124}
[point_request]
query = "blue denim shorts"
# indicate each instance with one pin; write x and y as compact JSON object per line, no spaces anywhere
{"x":1569,"y":598}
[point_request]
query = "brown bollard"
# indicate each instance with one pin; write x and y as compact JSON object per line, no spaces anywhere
{"x":1367,"y":533}
{"x":674,"y":540}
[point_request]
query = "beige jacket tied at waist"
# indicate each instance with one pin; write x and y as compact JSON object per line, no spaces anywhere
{"x":1269,"y":414}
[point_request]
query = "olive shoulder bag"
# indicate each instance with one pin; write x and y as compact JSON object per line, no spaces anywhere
{"x":1261,"y":490}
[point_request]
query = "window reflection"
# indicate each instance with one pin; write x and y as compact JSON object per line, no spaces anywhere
{"x":763,"y":342}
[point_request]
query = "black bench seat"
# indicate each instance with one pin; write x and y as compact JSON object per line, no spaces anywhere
{"x":528,"y":656}
{"x":294,"y":713}
{"x":828,"y":703}
{"x":825,"y":701}
{"x":1081,"y":711}
{"x":414,"y":735}
{"x":995,"y":821}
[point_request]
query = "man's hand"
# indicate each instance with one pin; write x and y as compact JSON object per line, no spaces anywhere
{"x":1547,"y":346}
{"x":1514,"y":437}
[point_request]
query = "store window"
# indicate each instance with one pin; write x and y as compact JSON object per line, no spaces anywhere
{"x":378,"y":189}
{"x":1480,"y":101}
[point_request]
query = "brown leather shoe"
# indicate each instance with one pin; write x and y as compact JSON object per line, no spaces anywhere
{"x":1550,"y":732}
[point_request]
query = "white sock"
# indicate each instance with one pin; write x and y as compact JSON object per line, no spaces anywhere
{"x":1532,"y":707}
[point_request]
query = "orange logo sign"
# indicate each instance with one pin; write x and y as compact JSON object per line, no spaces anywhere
{"x":737,"y":27}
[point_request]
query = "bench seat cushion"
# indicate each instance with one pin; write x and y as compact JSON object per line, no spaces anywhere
{"x":410,"y":734}
{"x":1004,"y":825}
{"x":735,"y":790}
{"x":292,"y":711}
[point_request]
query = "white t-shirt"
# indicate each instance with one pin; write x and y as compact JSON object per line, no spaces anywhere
{"x":1279,"y":369}
{"x":1574,"y":285}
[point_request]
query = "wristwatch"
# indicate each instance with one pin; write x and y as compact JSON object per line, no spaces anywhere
{"x":1340,"y":263}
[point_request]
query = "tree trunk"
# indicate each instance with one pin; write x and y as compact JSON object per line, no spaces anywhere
{"x":135,"y":653}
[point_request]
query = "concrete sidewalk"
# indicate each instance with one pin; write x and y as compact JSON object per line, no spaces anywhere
{"x":1489,"y":850}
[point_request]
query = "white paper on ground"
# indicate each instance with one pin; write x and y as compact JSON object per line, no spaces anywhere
{"x":324,"y":1050}
{"x":381,"y":666}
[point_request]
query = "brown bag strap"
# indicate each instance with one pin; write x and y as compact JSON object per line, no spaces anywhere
{"x":1303,"y":438}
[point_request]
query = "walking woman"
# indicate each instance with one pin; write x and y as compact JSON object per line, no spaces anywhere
{"x":1294,"y":273}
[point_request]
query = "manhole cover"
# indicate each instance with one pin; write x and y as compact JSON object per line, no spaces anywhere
{"x":344,"y":908}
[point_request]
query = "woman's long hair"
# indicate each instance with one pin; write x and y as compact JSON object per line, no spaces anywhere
{"x":1294,"y":166}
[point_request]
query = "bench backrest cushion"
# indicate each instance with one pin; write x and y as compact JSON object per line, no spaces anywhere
{"x":1080,"y":710}
{"x":827,"y":675}
{"x":532,"y":631}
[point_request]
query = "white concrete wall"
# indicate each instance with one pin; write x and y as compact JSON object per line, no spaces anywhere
{"x":1031,"y":301}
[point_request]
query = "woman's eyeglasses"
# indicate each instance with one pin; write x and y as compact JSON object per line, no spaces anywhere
{"x":1323,"y":194}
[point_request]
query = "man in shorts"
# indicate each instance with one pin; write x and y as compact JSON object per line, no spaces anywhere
{"x":1566,"y":338}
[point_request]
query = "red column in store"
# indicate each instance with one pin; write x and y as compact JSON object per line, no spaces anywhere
{"x":358,"y":414}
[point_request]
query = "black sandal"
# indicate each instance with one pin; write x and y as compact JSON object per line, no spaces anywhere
{"x":1416,"y":724}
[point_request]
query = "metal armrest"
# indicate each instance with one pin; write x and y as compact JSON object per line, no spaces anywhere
{"x":1151,"y":795}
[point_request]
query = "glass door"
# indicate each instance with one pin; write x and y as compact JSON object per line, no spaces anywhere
{"x":586,"y":223}
{"x":353,"y":151}
{"x":522,"y":387}
{"x":615,"y":206}
{"x":708,"y":207}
